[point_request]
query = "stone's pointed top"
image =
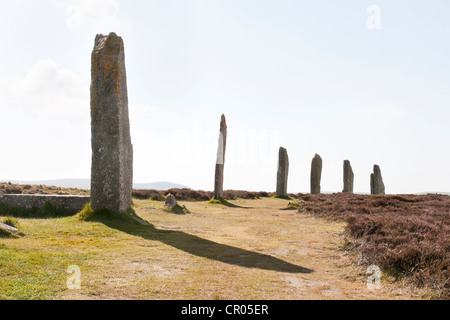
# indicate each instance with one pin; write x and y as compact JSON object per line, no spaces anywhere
{"x":283,"y":153}
{"x":376,"y":169}
{"x":223,"y":123}
{"x":111,"y":35}
{"x":317,"y":157}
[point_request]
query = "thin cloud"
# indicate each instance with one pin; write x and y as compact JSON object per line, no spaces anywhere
{"x":46,"y":90}
{"x":97,"y":15}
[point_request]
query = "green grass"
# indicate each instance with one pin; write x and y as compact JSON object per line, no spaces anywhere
{"x":11,"y":221}
{"x":177,"y":209}
{"x":6,"y":234}
{"x":295,"y":205}
{"x":33,"y":275}
{"x":215,"y":252}
{"x":88,"y":214}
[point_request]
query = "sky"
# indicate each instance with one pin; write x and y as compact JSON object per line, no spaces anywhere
{"x":366,"y":81}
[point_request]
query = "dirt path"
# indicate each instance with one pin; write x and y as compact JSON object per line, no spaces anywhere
{"x":255,"y":250}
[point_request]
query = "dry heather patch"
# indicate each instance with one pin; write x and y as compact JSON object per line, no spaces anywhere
{"x":407,"y":236}
{"x":11,"y":188}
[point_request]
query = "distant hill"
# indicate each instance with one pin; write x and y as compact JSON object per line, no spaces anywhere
{"x":86,"y":184}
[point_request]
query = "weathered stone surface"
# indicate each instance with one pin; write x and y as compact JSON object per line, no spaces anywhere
{"x":348,"y":177}
{"x":218,"y":178}
{"x":316,"y":174}
{"x":171,"y":201}
{"x":112,"y":151}
{"x":282,"y":173}
{"x":72,"y":203}
{"x":376,"y":181}
{"x":8,"y":228}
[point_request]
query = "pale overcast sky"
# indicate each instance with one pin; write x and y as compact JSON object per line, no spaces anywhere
{"x":361,"y":80}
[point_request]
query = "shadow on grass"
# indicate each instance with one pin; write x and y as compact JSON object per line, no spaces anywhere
{"x":206,"y":248}
{"x":281,"y":197}
{"x":226,"y":203}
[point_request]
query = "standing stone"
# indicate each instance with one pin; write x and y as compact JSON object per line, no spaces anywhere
{"x":348,"y":177}
{"x":316,"y":174}
{"x":282,"y":173}
{"x":112,"y":151}
{"x":171,"y":201}
{"x":218,"y":180}
{"x":376,"y":181}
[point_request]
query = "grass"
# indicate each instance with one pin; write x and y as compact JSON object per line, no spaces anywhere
{"x":34,"y":266}
{"x":6,"y":234}
{"x":177,"y":209}
{"x":251,"y":250}
{"x":295,"y":205}
{"x":33,"y":275}
{"x":171,"y":259}
{"x":282,"y":197}
{"x":222,"y":201}
{"x":11,"y":221}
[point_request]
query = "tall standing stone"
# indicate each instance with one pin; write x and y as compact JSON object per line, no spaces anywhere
{"x":282,"y":173}
{"x":316,"y":174}
{"x":112,"y":151}
{"x":218,"y":179}
{"x":376,"y":181}
{"x":348,"y":177}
